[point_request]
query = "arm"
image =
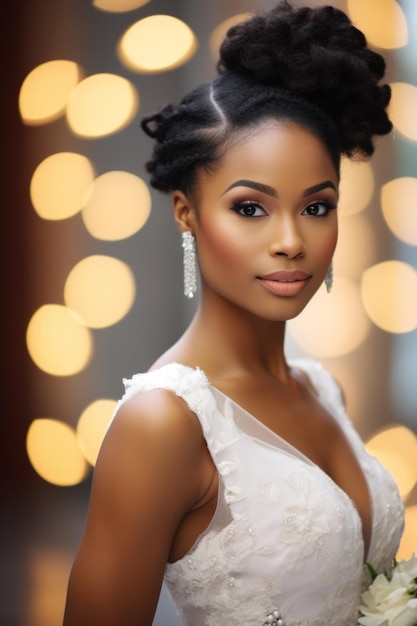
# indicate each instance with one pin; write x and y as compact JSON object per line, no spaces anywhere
{"x":145,"y":480}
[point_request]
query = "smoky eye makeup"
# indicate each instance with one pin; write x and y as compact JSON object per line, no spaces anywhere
{"x":320,"y":208}
{"x":249,"y":208}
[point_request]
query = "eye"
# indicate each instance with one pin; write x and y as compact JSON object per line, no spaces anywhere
{"x":249,"y":208}
{"x":318,"y":209}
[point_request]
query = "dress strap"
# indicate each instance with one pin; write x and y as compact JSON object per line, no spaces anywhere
{"x":188,"y":383}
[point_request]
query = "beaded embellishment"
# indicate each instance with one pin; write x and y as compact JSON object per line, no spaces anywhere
{"x":274,"y":619}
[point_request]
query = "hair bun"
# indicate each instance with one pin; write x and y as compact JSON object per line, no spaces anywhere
{"x":315,"y":53}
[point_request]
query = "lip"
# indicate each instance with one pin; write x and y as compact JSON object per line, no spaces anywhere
{"x":285,"y":283}
{"x":286,"y":276}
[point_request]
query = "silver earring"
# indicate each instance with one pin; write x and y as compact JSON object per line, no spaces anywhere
{"x":328,"y":279}
{"x":190,"y":264}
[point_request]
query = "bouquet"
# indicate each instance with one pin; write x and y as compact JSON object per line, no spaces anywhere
{"x":391,"y":599}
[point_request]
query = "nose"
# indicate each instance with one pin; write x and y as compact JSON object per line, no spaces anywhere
{"x":286,"y":239}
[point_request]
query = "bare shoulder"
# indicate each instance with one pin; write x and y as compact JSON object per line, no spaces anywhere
{"x":147,"y":477}
{"x":157,"y":412}
{"x":154,"y":430}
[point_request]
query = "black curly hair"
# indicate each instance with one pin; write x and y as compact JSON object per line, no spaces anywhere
{"x":307,"y":65}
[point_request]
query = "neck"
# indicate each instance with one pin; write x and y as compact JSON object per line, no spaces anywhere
{"x":234,"y":342}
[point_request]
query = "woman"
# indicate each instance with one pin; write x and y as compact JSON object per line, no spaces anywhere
{"x":230,"y":471}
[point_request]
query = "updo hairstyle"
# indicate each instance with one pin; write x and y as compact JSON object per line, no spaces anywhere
{"x":306,"y":65}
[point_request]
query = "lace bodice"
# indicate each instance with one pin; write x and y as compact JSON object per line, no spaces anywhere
{"x":284,"y":537}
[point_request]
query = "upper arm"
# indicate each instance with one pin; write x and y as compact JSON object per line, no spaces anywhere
{"x":144,"y":482}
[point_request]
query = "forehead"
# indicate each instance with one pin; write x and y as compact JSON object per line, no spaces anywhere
{"x":278,"y":154}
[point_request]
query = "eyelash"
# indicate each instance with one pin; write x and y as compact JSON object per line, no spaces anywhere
{"x":240,"y":206}
{"x":327,"y":207}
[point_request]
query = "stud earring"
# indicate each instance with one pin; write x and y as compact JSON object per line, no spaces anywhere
{"x":190,"y":265}
{"x":328,"y":279}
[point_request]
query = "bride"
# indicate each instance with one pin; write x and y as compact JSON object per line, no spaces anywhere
{"x":228,"y":470}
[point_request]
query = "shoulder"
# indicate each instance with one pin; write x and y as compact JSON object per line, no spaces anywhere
{"x":157,"y":418}
{"x":152,"y":453}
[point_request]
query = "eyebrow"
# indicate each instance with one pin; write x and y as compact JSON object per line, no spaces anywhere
{"x":270,"y":191}
{"x":315,"y":188}
{"x":253,"y":185}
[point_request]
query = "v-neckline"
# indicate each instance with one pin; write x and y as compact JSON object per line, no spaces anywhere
{"x":289,"y":448}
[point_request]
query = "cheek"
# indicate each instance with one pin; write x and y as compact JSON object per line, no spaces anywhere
{"x":325,"y":245}
{"x":220,"y":245}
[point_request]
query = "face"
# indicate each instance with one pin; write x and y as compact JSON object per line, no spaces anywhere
{"x":265,"y":221}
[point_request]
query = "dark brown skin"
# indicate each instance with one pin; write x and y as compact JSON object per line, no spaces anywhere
{"x":155,"y":485}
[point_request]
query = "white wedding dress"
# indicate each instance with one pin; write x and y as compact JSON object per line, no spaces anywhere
{"x":284,"y":537}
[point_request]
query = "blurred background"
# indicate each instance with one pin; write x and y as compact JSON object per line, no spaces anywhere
{"x":92,"y":267}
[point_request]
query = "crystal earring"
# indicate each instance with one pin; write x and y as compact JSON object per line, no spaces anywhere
{"x":190,"y":265}
{"x":328,"y":279}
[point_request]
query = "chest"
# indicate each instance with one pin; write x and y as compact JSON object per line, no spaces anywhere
{"x":301,"y":425}
{"x":293,"y":413}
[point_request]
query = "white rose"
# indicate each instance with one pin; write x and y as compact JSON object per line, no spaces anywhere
{"x":388,"y":602}
{"x":408,"y":616}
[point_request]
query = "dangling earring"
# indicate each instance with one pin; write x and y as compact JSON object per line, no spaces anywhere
{"x":190,"y":266}
{"x":328,"y":279}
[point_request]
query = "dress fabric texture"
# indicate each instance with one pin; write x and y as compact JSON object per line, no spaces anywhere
{"x":284,"y":536}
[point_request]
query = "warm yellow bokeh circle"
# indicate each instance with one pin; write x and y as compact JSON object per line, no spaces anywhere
{"x":102,"y":104}
{"x":396,"y":448}
{"x":53,"y":451}
{"x":60,"y":184}
{"x":119,"y":204}
{"x":92,"y":426}
{"x":402,"y":109}
{"x":357,"y":183}
{"x":45,"y":91}
{"x":332,"y":324}
{"x":157,"y":43}
{"x":388,"y":292}
{"x":101,"y":289}
{"x":399,"y":208}
{"x":409,"y":539}
{"x":382,"y":21}
{"x":57,"y":341}
{"x":119,"y":6}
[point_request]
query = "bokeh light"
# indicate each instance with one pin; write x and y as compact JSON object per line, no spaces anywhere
{"x":382,"y":21}
{"x":356,"y":245}
{"x":389,"y":295}
{"x":101,"y":105}
{"x":396,"y":448}
{"x":45,"y":91}
{"x":157,"y":43}
{"x":101,"y":289}
{"x":402,"y":109}
{"x":59,"y":185}
{"x":399,"y":208}
{"x":54,"y":453}
{"x":57,"y":341}
{"x":92,"y":426}
{"x":119,"y":6}
{"x":332,"y":324}
{"x":119,"y":205}
{"x":220,"y":31}
{"x":409,"y":539}
{"x":356,"y":186}
{"x":47,"y":569}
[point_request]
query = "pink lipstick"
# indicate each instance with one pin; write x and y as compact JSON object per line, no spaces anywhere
{"x":285,"y":283}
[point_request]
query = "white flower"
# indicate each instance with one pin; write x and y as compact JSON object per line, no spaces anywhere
{"x":392,"y":600}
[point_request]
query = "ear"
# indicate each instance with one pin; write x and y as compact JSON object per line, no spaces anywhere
{"x":184,"y":212}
